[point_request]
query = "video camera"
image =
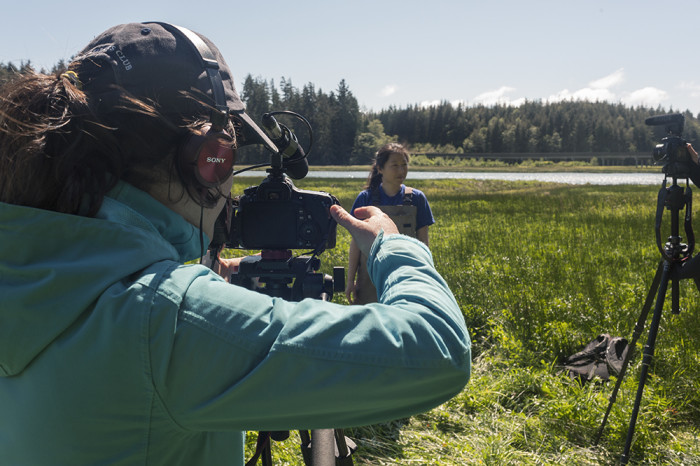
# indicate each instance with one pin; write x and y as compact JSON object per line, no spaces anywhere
{"x":672,"y":151}
{"x":276,"y":214}
{"x":277,"y":217}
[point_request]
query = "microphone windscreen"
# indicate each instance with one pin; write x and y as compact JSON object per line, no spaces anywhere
{"x":296,"y":166}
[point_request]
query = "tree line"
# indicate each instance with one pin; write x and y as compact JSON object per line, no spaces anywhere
{"x":343,"y":134}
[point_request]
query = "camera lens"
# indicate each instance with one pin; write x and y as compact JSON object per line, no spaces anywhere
{"x":659,"y":153}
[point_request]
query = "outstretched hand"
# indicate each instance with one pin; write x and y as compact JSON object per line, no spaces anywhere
{"x":222,"y":266}
{"x":366,"y":227}
{"x":693,"y":153}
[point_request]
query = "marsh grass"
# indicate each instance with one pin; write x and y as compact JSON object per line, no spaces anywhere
{"x":540,"y":269}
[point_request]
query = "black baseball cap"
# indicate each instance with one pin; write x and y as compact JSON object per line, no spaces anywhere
{"x":166,"y":64}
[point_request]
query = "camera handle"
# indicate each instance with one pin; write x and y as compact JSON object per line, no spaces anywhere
{"x":293,"y":279}
{"x":675,"y":256}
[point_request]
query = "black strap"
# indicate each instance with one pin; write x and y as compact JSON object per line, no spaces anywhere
{"x":688,"y":220}
{"x":211,"y":66}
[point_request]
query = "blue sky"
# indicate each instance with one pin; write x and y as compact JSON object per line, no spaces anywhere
{"x":410,"y":52}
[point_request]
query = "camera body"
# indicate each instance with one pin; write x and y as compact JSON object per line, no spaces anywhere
{"x":672,"y":151}
{"x":278,"y":215}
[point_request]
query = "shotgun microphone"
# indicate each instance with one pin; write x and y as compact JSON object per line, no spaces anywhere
{"x":293,"y":156}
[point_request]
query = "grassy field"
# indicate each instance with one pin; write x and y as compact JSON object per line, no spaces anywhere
{"x":539,"y":270}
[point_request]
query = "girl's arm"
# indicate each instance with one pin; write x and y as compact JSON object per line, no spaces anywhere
{"x":422,"y":235}
{"x":353,"y":266}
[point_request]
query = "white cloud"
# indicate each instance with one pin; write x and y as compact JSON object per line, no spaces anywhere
{"x":430,"y":103}
{"x":587,"y":93}
{"x":437,"y":103}
{"x":609,"y":81}
{"x":494,"y":97}
{"x":388,"y":90}
{"x":647,"y":96}
{"x":564,"y":94}
{"x":599,"y":90}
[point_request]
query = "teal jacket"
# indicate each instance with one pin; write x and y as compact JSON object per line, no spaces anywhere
{"x":114,"y":352}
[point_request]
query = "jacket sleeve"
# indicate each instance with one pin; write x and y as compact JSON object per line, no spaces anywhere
{"x":236,"y":359}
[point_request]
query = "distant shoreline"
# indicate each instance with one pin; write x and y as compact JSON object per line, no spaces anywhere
{"x":555,"y":167}
{"x":549,"y":168}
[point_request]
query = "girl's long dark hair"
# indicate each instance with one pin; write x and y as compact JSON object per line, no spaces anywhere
{"x":380,"y":158}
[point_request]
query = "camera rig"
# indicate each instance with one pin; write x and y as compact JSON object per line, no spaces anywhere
{"x":672,"y":151}
{"x":276,"y":217}
{"x":676,"y":262}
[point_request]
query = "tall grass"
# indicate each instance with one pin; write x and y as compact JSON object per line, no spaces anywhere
{"x":539,"y":269}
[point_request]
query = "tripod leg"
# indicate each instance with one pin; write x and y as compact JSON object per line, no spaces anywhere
{"x":648,"y":356}
{"x":318,"y":449}
{"x":306,"y":446}
{"x":345,"y":449}
{"x":267,"y":455}
{"x":630,"y":352}
{"x":675,"y":296}
{"x":323,"y":447}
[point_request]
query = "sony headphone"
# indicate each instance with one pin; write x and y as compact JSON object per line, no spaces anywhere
{"x":206,"y":159}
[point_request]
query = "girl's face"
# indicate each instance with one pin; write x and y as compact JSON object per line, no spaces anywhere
{"x":394,"y":170}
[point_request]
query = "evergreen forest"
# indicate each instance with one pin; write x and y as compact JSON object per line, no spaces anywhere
{"x":345,"y":134}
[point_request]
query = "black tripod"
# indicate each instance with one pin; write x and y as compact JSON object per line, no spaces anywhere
{"x":276,"y":273}
{"x":673,"y":267}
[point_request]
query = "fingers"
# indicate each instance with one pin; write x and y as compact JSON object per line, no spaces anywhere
{"x":342,"y":216}
{"x":348,"y":294}
{"x":229,"y":267}
{"x":351,"y":292}
{"x":366,"y":212}
{"x":364,"y":231}
{"x":369,"y":219}
{"x":374,"y":216}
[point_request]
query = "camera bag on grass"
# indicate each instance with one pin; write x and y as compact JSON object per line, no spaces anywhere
{"x":600,"y":358}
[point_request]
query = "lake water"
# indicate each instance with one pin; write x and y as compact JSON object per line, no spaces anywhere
{"x":564,"y":177}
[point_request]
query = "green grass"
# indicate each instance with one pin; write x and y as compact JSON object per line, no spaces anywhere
{"x":539,"y":269}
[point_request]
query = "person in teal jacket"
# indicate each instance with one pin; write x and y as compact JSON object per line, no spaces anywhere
{"x":112,"y":349}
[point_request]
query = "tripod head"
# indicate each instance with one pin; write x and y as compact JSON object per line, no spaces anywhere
{"x":276,"y":273}
{"x":675,"y":199}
